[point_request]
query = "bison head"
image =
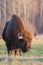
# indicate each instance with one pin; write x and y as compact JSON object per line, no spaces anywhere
{"x":25,"y":41}
{"x":28,"y":40}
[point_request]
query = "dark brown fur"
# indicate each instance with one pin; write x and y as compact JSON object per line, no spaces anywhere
{"x":11,"y":37}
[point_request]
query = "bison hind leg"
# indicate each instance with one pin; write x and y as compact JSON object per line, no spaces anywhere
{"x":10,"y":50}
{"x":9,"y":53}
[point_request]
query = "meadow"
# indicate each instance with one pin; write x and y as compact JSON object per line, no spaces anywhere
{"x":32,"y":57}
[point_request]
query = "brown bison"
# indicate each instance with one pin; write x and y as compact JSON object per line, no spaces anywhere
{"x":16,"y":37}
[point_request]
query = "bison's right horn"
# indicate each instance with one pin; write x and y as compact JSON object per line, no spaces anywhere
{"x":20,"y":36}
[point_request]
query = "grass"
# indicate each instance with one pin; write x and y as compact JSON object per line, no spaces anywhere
{"x":35,"y":51}
{"x":19,"y":63}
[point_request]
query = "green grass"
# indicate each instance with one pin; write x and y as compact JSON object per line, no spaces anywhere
{"x":5,"y":62}
{"x":3,"y":50}
{"x":36,"y":49}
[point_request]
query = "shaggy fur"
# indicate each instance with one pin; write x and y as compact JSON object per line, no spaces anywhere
{"x":10,"y":35}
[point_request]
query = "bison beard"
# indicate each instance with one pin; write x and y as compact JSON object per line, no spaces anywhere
{"x":10,"y":36}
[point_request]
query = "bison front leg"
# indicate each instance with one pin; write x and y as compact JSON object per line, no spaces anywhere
{"x":20,"y":52}
{"x":12,"y":52}
{"x":16,"y":52}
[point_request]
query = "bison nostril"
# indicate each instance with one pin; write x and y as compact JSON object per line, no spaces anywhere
{"x":24,"y":50}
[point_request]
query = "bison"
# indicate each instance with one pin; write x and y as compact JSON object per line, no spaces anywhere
{"x":4,"y":31}
{"x":16,"y":37}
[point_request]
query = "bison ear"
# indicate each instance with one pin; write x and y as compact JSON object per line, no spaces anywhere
{"x":20,"y":36}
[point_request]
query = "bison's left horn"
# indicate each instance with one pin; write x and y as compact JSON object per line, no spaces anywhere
{"x":20,"y":36}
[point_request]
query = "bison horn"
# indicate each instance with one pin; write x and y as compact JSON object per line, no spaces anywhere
{"x":20,"y":36}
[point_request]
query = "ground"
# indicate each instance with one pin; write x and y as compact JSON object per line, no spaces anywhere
{"x":33,"y":57}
